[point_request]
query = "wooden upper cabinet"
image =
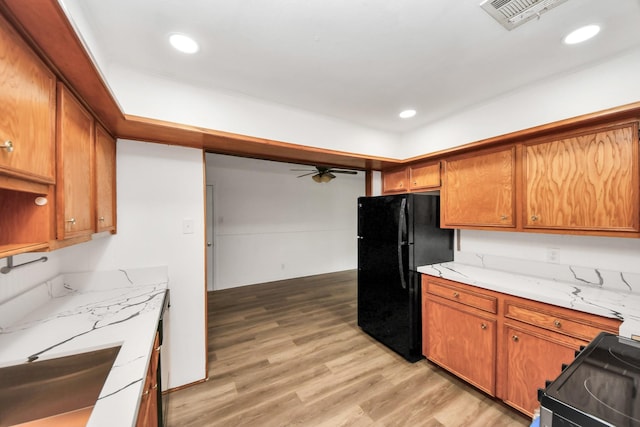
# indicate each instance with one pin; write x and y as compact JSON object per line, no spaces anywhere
{"x":27,"y":111}
{"x":424,"y":176}
{"x":74,"y":189}
{"x":105,"y":167}
{"x":583,"y":182}
{"x":395,"y":181}
{"x":478,"y":190}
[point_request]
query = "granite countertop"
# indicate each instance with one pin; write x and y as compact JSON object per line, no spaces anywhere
{"x":79,"y":312}
{"x":585,"y":297}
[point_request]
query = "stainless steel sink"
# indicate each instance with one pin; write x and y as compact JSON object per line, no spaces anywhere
{"x":53,"y":387}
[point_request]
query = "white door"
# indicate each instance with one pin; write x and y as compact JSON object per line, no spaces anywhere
{"x":209,"y":240}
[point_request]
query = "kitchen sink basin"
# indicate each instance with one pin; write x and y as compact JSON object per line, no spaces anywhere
{"x":60,"y":391}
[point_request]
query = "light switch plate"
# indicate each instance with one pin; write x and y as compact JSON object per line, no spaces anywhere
{"x":187,"y":226}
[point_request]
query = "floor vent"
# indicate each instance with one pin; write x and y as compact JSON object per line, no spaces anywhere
{"x":512,"y":13}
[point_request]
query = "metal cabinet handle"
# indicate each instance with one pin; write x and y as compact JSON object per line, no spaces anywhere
{"x":72,"y":221}
{"x":483,"y":326}
{"x":8,"y":145}
{"x":534,"y":217}
{"x":557,"y":324}
{"x":101,"y":219}
{"x":515,"y":338}
{"x":503,"y":217}
{"x":456,"y":295}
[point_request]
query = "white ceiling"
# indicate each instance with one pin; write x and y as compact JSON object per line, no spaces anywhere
{"x":359,"y":60}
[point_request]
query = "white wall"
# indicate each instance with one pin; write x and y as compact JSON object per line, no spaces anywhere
{"x":157,"y":97}
{"x":602,"y":86}
{"x":158,"y":186}
{"x":270,"y":225}
{"x":608,"y":253}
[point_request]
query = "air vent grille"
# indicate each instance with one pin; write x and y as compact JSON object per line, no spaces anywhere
{"x":512,"y":13}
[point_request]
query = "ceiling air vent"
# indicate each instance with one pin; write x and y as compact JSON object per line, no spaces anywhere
{"x":512,"y":13}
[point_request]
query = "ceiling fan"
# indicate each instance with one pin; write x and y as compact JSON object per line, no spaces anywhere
{"x":323,"y":174}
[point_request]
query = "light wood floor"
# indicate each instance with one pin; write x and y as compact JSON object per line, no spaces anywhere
{"x":290,"y":353}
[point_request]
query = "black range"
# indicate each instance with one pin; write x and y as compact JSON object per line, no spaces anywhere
{"x":599,"y":388}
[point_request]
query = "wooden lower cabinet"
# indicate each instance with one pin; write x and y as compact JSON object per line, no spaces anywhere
{"x":506,"y":346}
{"x":532,"y":358}
{"x":148,"y":409}
{"x":462,"y":342}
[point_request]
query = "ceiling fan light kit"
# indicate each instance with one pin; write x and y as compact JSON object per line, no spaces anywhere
{"x":323,"y":174}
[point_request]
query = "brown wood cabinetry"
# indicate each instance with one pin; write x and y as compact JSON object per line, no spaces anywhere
{"x":27,"y":111}
{"x":148,"y":408}
{"x":417,"y":177}
{"x":395,"y":181}
{"x":531,"y":359}
{"x":461,"y":341}
{"x":424,"y":176}
{"x":105,"y":168}
{"x":506,"y":346}
{"x":587,"y":181}
{"x":479,"y":190}
{"x":74,"y":188}
{"x":24,"y":225}
{"x":538,"y":339}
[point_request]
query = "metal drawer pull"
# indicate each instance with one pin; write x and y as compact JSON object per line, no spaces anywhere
{"x":72,"y":221}
{"x":503,"y":217}
{"x":515,"y":338}
{"x":456,"y":295}
{"x":101,"y":219}
{"x":534,"y":217}
{"x":8,"y":145}
{"x":483,"y":326}
{"x":557,"y":324}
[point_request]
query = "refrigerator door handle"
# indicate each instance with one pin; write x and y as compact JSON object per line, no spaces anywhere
{"x":401,"y":242}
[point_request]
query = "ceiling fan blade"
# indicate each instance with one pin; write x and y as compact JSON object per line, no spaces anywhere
{"x":307,"y":174}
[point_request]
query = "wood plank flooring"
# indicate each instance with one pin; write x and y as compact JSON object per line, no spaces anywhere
{"x":290,"y":353}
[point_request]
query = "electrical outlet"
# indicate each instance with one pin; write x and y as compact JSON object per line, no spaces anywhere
{"x":553,"y":255}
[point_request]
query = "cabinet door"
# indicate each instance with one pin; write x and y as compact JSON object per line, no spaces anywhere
{"x":74,"y":189}
{"x":463,"y":343}
{"x":27,"y":110}
{"x":531,"y":359}
{"x":587,"y":182}
{"x":424,"y":176}
{"x":478,"y":190}
{"x":105,"y":156}
{"x":395,"y":181}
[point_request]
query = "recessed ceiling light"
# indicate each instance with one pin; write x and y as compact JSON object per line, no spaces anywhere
{"x":183,"y":43}
{"x":582,"y":34}
{"x":407,"y":114}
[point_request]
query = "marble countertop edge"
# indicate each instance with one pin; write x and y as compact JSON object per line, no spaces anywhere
{"x":586,"y":298}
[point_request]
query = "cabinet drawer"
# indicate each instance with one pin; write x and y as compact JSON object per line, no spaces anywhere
{"x":554,"y":321}
{"x":463,"y":296}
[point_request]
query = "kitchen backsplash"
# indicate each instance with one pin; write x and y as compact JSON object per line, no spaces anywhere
{"x":602,"y":278}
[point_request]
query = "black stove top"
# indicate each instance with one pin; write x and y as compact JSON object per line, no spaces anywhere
{"x":600,"y":387}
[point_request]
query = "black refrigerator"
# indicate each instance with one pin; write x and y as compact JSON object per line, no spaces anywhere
{"x":396,"y":234}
